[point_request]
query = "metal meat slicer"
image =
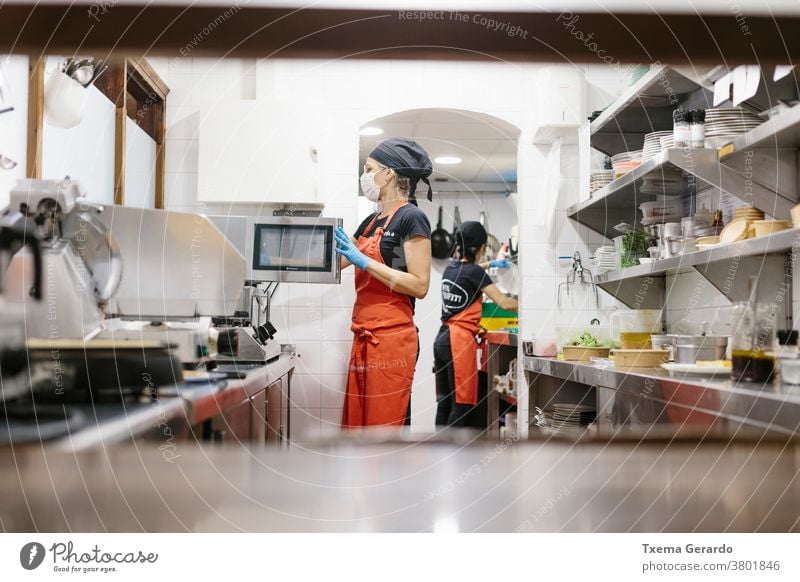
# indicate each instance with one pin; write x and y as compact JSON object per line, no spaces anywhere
{"x":115,"y":272}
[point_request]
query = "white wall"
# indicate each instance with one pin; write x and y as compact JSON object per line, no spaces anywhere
{"x":140,"y":167}
{"x":13,"y":125}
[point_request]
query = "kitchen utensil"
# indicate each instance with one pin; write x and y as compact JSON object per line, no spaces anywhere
{"x":99,"y":251}
{"x":578,"y":273}
{"x":456,"y":226}
{"x":689,"y":349}
{"x":583,"y":353}
{"x":660,"y":209}
{"x":734,"y":231}
{"x":441,"y":241}
{"x":545,"y":346}
{"x":492,"y":243}
{"x":639,"y":358}
{"x":768,"y":227}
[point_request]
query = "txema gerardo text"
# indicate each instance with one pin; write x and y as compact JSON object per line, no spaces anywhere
{"x":687,"y":549}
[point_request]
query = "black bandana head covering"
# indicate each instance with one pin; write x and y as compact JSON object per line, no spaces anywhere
{"x":407,"y":158}
{"x":470,"y":237}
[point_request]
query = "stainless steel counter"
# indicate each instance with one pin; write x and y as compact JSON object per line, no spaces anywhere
{"x":776,"y":407}
{"x":483,"y":486}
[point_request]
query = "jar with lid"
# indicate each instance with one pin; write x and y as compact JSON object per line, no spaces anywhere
{"x":680,"y":129}
{"x":697,"y":128}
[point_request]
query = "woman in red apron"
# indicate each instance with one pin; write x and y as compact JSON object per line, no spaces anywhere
{"x":391,"y":251}
{"x":455,"y":351}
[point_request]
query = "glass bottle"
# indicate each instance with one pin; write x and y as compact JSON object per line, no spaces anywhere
{"x":680,"y":129}
{"x":697,"y":128}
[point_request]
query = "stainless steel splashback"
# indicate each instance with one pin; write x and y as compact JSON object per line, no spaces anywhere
{"x":175,"y":265}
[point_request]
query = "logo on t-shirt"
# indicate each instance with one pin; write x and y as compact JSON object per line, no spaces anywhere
{"x":389,"y":234}
{"x":454,"y":296}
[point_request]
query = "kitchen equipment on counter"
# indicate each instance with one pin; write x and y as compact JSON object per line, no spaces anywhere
{"x":663,"y":341}
{"x":753,"y":341}
{"x":292,"y":249}
{"x":768,"y":227}
{"x":545,"y":346}
{"x":637,"y":325}
{"x":642,"y":358}
{"x":577,"y":274}
{"x":689,"y":349}
{"x":441,"y":241}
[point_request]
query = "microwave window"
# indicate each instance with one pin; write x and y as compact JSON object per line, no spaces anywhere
{"x":302,"y":248}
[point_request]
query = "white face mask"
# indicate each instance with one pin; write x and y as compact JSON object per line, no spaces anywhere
{"x":368,"y":186}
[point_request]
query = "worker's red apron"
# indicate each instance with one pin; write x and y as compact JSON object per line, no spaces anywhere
{"x":464,"y":327}
{"x":385,"y":346}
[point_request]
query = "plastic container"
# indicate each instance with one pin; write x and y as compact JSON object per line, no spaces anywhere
{"x":660,"y":208}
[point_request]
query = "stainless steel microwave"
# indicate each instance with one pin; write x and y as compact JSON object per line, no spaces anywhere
{"x":292,"y":250}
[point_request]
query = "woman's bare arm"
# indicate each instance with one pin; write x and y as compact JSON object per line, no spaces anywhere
{"x":418,"y":262}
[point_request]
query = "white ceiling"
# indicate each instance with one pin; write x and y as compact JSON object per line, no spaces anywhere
{"x":486,"y":145}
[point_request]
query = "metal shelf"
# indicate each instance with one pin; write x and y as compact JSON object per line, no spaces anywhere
{"x":619,"y":201}
{"x":698,"y":168}
{"x":645,"y":107}
{"x":770,"y":153}
{"x":723,"y":266}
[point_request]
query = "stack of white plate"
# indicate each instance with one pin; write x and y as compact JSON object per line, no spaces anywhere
{"x":624,"y":162}
{"x":606,"y":258}
{"x":667,"y":141}
{"x":726,"y":123}
{"x":572,"y":417}
{"x":600,"y":179}
{"x":652,"y":144}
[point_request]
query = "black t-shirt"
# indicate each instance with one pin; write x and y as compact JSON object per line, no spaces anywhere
{"x":462,"y":285}
{"x":407,"y":223}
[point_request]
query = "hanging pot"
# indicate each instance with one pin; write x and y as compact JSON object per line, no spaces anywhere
{"x":441,"y":241}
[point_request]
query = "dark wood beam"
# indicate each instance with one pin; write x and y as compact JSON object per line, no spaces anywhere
{"x":537,"y":35}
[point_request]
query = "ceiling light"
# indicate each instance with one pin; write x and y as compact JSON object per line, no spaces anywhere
{"x":371,"y":130}
{"x":447,"y":160}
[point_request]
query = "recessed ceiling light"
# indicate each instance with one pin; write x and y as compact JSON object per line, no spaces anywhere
{"x":447,"y":160}
{"x":371,"y":130}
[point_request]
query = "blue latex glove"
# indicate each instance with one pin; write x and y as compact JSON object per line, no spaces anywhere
{"x":346,"y":248}
{"x":500,"y":263}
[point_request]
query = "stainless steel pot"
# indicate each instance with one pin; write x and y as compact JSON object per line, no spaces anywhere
{"x":688,"y":349}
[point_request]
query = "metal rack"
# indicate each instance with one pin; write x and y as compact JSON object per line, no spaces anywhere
{"x":759,"y":167}
{"x":726,"y":267}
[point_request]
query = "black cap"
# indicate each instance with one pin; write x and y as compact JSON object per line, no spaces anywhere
{"x":469,"y":237}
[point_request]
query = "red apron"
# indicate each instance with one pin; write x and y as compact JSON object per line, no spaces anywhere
{"x":464,"y":327}
{"x":385,"y":346}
